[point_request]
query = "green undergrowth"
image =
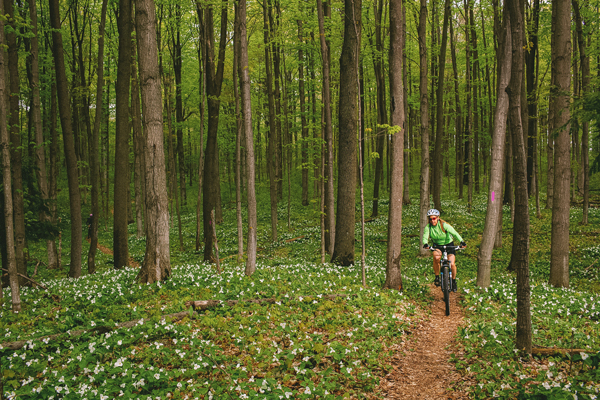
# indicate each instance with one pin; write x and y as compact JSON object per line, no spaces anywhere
{"x":303,"y":345}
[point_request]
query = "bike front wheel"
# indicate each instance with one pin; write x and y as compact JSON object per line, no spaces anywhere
{"x":446,"y":288}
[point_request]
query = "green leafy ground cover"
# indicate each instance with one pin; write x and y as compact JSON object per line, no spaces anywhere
{"x":303,"y":346}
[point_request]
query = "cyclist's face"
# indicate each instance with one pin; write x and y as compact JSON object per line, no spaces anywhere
{"x":434,"y":220}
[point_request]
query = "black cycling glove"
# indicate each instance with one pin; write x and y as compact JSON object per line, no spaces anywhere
{"x":425,"y":246}
{"x":463,"y":244}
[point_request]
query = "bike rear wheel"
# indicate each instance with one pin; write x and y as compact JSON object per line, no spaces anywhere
{"x":446,"y":288}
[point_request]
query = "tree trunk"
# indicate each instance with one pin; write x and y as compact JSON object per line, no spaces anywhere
{"x":303,"y":121}
{"x":121,"y":185}
{"x":439,"y":138}
{"x":157,"y":260}
{"x":138,"y":147}
{"x":329,"y":193}
{"x":382,"y":118}
{"x":239,"y":133}
{"x":6,"y":179}
{"x":343,"y":253}
{"x":585,"y":83}
{"x":272,"y":141}
{"x":214,"y":70}
{"x":68,"y":139}
{"x":393,"y":279}
{"x":177,"y":66}
{"x":561,"y":69}
{"x":249,"y":137}
{"x":493,"y":216}
{"x":424,"y":202}
{"x":94,"y":148}
{"x":520,"y":252}
{"x":16,"y":152}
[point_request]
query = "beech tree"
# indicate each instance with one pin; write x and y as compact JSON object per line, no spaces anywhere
{"x":561,"y":77}
{"x":157,"y":259}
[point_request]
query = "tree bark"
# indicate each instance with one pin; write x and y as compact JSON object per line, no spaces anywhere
{"x":437,"y":153}
{"x":157,"y":261}
{"x":249,"y":137}
{"x":68,"y":139}
{"x":343,"y":253}
{"x":6,"y":178}
{"x":303,"y":120}
{"x":138,"y":146}
{"x":393,"y":279}
{"x":329,"y":193}
{"x":520,"y":252}
{"x":561,"y":69}
{"x":214,"y":79}
{"x":493,"y":216}
{"x":424,"y":202}
{"x":239,"y":133}
{"x":94,"y":148}
{"x":121,"y":185}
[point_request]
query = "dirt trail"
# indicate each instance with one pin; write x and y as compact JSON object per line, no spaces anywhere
{"x":106,"y":250}
{"x":421,"y":365}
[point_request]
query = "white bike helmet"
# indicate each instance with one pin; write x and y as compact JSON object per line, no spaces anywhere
{"x":433,"y":211}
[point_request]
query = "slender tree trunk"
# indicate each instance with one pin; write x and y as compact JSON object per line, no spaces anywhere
{"x":249,"y":137}
{"x":16,"y":152}
{"x":53,"y":259}
{"x":303,"y":121}
{"x":214,"y":69}
{"x":157,"y":260}
{"x":68,"y":139}
{"x":382,"y":118}
{"x":458,"y":116}
{"x":94,"y":150}
{"x":343,"y":253}
{"x":138,"y":146}
{"x":11,"y":265}
{"x":239,"y":133}
{"x":329,"y":194}
{"x":272,"y":141}
{"x":585,"y":83}
{"x":493,"y":217}
{"x":121,"y":185}
{"x":407,"y":125}
{"x":393,"y":274}
{"x":437,"y":162}
{"x":177,"y":67}
{"x":561,"y":69}
{"x":424,"y":201}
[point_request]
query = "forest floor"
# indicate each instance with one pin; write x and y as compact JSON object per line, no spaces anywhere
{"x":421,"y":365}
{"x":106,"y":250}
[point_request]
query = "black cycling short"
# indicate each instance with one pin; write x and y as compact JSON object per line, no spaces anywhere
{"x":448,"y":250}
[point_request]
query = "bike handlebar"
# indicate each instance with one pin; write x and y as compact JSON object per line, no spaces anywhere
{"x":446,"y":246}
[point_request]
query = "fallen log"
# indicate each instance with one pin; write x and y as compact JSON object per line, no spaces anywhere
{"x":29,"y":279}
{"x":558,"y":352}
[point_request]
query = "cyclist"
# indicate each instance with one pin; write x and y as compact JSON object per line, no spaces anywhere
{"x":441,"y":233}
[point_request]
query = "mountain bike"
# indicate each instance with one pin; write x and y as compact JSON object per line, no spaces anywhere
{"x":445,"y":272}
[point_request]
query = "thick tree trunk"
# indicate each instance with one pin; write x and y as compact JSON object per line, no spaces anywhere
{"x":520,"y":252}
{"x":561,"y":69}
{"x":329,"y":193}
{"x":343,"y":253}
{"x":424,"y":201}
{"x":157,"y":260}
{"x":68,"y":139}
{"x":138,"y":147}
{"x":393,"y":279}
{"x":493,"y":216}
{"x":121,"y":185}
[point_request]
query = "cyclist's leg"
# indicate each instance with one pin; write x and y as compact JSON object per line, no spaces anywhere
{"x":437,"y":256}
{"x":452,"y":259}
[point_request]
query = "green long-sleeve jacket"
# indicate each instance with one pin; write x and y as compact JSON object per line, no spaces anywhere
{"x":438,"y":237}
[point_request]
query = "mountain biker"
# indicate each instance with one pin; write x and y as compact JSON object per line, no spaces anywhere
{"x":441,"y":233}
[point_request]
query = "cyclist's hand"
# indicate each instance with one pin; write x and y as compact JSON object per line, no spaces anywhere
{"x":426,"y":246}
{"x":463,"y":244}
